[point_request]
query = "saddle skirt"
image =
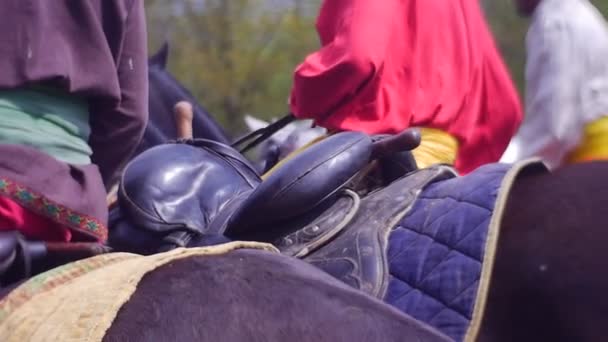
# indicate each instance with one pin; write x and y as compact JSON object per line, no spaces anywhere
{"x":358,"y":253}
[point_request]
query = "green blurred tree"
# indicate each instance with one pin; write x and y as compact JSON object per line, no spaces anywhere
{"x":235,"y":56}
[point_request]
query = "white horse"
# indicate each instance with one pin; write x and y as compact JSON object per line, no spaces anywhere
{"x":283,"y":142}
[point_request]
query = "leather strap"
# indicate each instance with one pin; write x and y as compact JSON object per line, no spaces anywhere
{"x":260,"y":135}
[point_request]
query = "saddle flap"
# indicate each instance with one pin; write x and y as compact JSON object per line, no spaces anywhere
{"x":302,"y":183}
{"x":358,"y":255}
{"x":322,"y":229}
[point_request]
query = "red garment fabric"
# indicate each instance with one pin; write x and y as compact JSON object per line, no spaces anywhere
{"x":34,"y":227}
{"x":392,"y":64}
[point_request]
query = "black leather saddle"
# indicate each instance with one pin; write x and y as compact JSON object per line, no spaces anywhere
{"x":198,"y":192}
{"x":181,"y":192}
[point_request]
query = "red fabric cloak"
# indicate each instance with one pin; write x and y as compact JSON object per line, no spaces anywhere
{"x":392,"y":64}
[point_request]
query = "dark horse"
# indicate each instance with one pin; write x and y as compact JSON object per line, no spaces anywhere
{"x":250,"y":295}
{"x":549,"y":283}
{"x":546,"y":283}
{"x":165,"y":92}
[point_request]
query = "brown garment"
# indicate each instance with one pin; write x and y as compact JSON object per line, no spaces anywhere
{"x":96,"y":49}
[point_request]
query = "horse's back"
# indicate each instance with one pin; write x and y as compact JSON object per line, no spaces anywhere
{"x":249,"y":295}
{"x":548,"y":279}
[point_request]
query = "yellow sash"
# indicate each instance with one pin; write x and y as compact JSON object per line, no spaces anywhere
{"x":594,"y":145}
{"x":436,"y":147}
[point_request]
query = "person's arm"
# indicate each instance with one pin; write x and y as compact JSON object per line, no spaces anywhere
{"x":551,"y":127}
{"x":116,"y":132}
{"x":329,"y":77}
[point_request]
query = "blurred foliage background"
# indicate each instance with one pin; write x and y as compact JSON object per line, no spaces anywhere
{"x":237,"y":56}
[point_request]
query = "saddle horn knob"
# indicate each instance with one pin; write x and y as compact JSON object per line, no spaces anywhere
{"x":407,"y":140}
{"x":183,"y":119}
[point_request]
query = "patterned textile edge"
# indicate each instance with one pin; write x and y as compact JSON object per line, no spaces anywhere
{"x":54,"y":278}
{"x":84,"y":308}
{"x":37,"y":203}
{"x":492,"y":241}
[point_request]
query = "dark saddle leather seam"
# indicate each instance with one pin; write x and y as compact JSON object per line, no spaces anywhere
{"x":313,"y":167}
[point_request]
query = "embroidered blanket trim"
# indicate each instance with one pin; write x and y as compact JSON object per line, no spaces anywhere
{"x":79,"y":301}
{"x":58,"y":213}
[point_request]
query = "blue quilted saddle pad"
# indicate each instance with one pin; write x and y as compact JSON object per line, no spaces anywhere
{"x":436,"y":252}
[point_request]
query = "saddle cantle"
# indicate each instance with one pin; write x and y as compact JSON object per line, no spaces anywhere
{"x":179,"y":190}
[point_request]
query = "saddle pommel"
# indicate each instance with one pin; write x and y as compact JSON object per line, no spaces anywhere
{"x":183,"y":120}
{"x":407,"y":140}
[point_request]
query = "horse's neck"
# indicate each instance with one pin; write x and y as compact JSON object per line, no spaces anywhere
{"x":165,"y":92}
